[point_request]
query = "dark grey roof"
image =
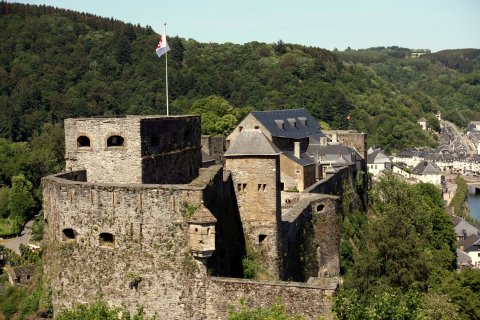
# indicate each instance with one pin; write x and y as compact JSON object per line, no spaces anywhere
{"x":455,"y":220}
{"x":463,"y":258}
{"x":377,"y":156}
{"x":304,"y":160}
{"x":471,"y":243}
{"x":464,"y":226}
{"x":251,"y":142}
{"x":290,"y":123}
{"x":426,"y":167}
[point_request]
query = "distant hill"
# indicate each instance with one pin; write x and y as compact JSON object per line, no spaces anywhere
{"x":57,"y":63}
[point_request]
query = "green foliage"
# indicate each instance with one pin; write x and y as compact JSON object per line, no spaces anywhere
{"x":4,"y":196}
{"x":37,"y":229}
{"x":460,"y":198}
{"x":275,"y":312}
{"x":250,"y":264}
{"x":21,"y":201}
{"x":99,"y":311}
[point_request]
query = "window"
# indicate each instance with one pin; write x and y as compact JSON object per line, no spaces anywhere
{"x":69,"y":234}
{"x":106,"y":239}
{"x":83,"y":142}
{"x":240,"y":129}
{"x":241,"y":186}
{"x":320,"y":207}
{"x":261,"y":186}
{"x":257,"y":127}
{"x":261,"y":238}
{"x":282,"y":186}
{"x":115,"y":141}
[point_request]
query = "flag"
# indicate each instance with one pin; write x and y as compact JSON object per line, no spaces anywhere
{"x":162,"y":46}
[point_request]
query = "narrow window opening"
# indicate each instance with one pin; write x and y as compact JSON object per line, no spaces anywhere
{"x":83,"y":142}
{"x":239,"y":187}
{"x":240,"y":129}
{"x":259,"y":187}
{"x":106,"y":239}
{"x":208,"y":231}
{"x":68,"y":234}
{"x":282,"y":186}
{"x":115,"y":141}
{"x":320,"y":208}
{"x":261,"y":238}
{"x":196,"y":229}
{"x":244,"y":186}
{"x":263,"y":187}
{"x":257,"y":127}
{"x":28,"y":277}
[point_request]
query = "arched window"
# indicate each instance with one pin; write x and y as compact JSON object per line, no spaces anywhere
{"x":68,"y":234}
{"x":115,"y":141}
{"x":83,"y":141}
{"x":107,"y":239}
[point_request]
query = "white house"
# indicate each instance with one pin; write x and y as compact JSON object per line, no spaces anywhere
{"x":377,"y":161}
{"x":427,"y":172}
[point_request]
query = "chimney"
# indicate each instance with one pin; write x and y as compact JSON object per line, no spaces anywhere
{"x":296,"y":149}
{"x":334,"y":137}
{"x":323,"y":141}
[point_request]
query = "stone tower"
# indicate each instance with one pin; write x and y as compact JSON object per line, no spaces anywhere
{"x":255,"y":166}
{"x":134,"y":149}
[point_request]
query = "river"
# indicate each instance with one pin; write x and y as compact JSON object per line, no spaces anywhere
{"x":474,"y":204}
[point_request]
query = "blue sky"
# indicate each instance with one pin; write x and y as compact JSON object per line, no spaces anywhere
{"x":432,"y":24}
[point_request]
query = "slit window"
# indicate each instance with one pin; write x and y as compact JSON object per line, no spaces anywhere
{"x":69,"y":234}
{"x":83,"y":142}
{"x":261,"y":186}
{"x":115,"y":141}
{"x":261,"y":238}
{"x":107,"y":239}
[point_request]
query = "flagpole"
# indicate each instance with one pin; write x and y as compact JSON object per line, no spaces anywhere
{"x":166,"y":70}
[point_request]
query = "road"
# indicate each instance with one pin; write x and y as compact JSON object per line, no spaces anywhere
{"x":458,"y":142}
{"x":14,"y":243}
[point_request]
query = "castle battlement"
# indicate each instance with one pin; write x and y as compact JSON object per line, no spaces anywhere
{"x":135,"y":149}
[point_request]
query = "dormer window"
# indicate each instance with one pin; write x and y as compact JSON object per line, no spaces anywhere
{"x":303,"y":121}
{"x":280,"y":124}
{"x":115,"y":141}
{"x":292,"y":122}
{"x":83,"y":142}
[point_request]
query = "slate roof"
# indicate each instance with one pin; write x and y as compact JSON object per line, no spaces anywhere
{"x":251,"y":142}
{"x":472,"y":243}
{"x":426,"y":167}
{"x":464,"y":225}
{"x":422,"y":119}
{"x":288,"y":123}
{"x":463,"y":258}
{"x":377,"y":156}
{"x":304,"y":160}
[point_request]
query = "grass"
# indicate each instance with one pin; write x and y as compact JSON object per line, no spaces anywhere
{"x":9,"y":227}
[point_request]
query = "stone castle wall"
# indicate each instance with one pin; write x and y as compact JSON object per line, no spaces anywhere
{"x":352,"y":139}
{"x":154,"y":149}
{"x":104,"y":164}
{"x":147,"y":264}
{"x":311,"y":238}
{"x":309,"y":300}
{"x":214,"y":147}
{"x":256,"y":183}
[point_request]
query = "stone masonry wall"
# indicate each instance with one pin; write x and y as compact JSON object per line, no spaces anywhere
{"x":170,"y":149}
{"x":311,"y":238}
{"x":105,"y":164}
{"x":147,"y":264}
{"x":309,"y":300}
{"x":214,"y":147}
{"x":256,"y":182}
{"x":250,"y":122}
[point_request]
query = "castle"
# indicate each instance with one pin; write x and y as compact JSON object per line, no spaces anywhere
{"x":138,"y":220}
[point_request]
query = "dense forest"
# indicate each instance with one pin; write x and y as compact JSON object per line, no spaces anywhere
{"x":57,"y":63}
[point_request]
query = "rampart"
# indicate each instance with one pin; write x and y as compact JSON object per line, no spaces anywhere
{"x":309,"y":300}
{"x":128,"y":244}
{"x":311,"y":238}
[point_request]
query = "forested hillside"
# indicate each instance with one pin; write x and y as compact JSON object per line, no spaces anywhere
{"x":58,"y":63}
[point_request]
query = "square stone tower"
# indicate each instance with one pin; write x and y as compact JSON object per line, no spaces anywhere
{"x":134,"y":149}
{"x":254,"y":162}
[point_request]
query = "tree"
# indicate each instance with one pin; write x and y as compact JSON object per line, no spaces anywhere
{"x":21,"y":200}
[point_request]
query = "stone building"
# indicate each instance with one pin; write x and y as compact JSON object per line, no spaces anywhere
{"x":136,"y":221}
{"x":255,"y":166}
